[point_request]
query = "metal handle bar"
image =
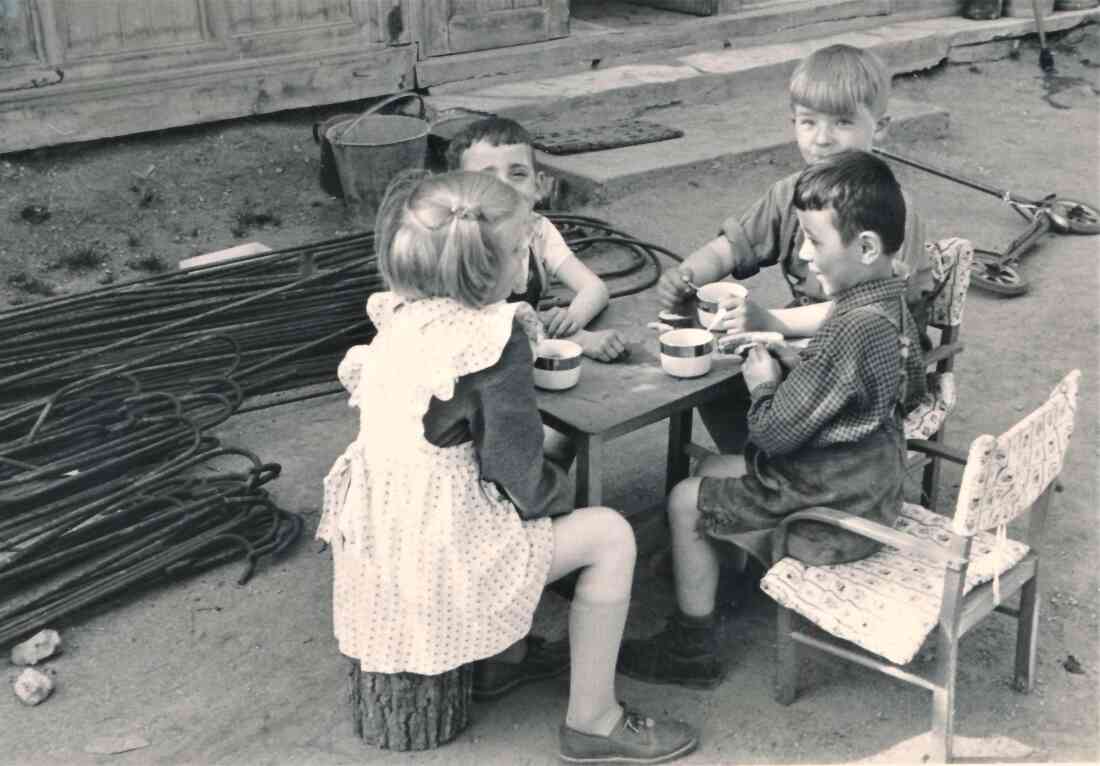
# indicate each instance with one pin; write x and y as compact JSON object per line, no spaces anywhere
{"x":1003,"y":194}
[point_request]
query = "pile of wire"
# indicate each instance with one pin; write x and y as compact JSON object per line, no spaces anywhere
{"x":109,"y":478}
{"x":286,"y":316}
{"x":109,"y":488}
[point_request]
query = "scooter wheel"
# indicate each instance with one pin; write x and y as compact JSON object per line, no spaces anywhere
{"x":1003,"y":280}
{"x":1071,"y":217}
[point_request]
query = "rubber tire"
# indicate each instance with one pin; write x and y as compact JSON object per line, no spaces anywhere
{"x":1075,"y":225}
{"x":1002,"y":280}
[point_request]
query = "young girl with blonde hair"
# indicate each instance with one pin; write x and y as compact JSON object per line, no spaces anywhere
{"x":444,"y":519}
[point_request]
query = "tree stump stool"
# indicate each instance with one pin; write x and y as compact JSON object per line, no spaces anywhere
{"x":408,"y":711}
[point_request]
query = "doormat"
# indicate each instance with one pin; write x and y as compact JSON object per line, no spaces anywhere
{"x":595,"y":138}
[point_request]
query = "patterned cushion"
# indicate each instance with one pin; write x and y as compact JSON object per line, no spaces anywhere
{"x":1005,"y":475}
{"x":926,"y":419}
{"x":889,"y":602}
{"x":950,"y":260}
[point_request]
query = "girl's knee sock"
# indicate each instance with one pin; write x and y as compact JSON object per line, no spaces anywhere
{"x":595,"y":632}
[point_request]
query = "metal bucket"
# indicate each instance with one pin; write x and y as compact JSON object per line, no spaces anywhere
{"x":373,"y":148}
{"x":371,"y":151}
{"x":327,"y":175}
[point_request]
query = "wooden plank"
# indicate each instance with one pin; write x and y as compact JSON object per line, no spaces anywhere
{"x":578,"y":53}
{"x":96,"y":29}
{"x":860,"y":656}
{"x":26,"y":78}
{"x":557,"y":18}
{"x":978,"y":603}
{"x":160,"y":99}
{"x":694,"y":7}
{"x":48,"y":29}
{"x":929,"y":8}
{"x":433,"y":32}
{"x":390,"y":21}
{"x":496,"y":30}
{"x":17,"y":36}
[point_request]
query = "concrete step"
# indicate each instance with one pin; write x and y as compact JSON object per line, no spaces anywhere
{"x":726,"y":72}
{"x":730,"y":102}
{"x":731,"y":132}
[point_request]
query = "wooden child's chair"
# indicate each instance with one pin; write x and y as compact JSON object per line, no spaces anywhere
{"x":934,"y":572}
{"x":950,"y":259}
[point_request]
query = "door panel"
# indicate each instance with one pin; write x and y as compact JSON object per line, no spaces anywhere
{"x":456,"y":26}
{"x":19,"y":42}
{"x":102,"y":27}
{"x":119,"y":66}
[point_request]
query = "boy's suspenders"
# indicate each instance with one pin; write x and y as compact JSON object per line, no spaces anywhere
{"x":901,"y":327}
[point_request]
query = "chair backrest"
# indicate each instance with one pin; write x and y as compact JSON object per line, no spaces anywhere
{"x":1005,"y":475}
{"x":950,"y":259}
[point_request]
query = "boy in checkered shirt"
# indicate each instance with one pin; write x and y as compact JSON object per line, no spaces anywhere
{"x":828,"y":434}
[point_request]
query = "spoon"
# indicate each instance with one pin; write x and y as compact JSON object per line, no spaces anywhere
{"x":718,"y":317}
{"x":691,"y":284}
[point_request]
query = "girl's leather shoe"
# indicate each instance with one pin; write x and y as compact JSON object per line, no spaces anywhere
{"x":635,"y":739}
{"x":493,"y":678}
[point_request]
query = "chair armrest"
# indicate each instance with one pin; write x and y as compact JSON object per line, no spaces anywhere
{"x":936,"y":449}
{"x":943,"y":353}
{"x":865,"y":528}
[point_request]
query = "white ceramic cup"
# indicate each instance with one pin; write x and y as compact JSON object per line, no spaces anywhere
{"x":557,"y":364}
{"x":687,"y":353}
{"x":710,"y":297}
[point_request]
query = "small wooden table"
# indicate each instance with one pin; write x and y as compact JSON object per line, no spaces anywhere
{"x":612,"y":400}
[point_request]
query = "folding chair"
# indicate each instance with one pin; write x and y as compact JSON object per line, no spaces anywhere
{"x":950,"y":259}
{"x":934,"y":572}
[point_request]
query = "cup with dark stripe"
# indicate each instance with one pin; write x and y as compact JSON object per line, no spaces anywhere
{"x":557,"y":364}
{"x":686,"y":353}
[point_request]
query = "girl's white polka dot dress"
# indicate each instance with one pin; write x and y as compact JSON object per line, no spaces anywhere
{"x":433,"y":568}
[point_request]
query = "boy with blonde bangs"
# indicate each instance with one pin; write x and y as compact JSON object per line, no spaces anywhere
{"x":502,"y":147}
{"x":839,"y":97}
{"x":829,"y":433}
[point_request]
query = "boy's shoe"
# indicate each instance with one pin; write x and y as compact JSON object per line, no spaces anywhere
{"x":493,"y":678}
{"x":737,"y":588}
{"x":680,"y":654}
{"x":635,"y":739}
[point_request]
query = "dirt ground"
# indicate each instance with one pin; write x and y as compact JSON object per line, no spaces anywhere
{"x":208,"y":672}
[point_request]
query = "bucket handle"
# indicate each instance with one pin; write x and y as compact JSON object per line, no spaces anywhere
{"x":457,"y":112}
{"x":386,"y":102}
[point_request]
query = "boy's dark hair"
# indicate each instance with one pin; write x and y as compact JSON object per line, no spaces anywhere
{"x":495,"y":131}
{"x":861,"y":191}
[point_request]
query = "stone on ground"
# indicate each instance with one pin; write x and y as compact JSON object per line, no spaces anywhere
{"x":33,"y":686}
{"x":43,"y":644}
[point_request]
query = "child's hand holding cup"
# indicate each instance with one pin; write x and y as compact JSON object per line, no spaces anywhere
{"x":675,"y":287}
{"x":760,"y":367}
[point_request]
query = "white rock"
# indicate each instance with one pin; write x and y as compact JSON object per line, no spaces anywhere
{"x":43,"y":644}
{"x":32,"y":686}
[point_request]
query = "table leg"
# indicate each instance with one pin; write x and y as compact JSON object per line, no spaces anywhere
{"x":679,"y":436}
{"x":589,"y":470}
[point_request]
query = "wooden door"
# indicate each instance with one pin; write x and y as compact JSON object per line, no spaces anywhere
{"x":455,"y":26}
{"x":121,"y":66}
{"x":170,"y":32}
{"x":25,"y":60}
